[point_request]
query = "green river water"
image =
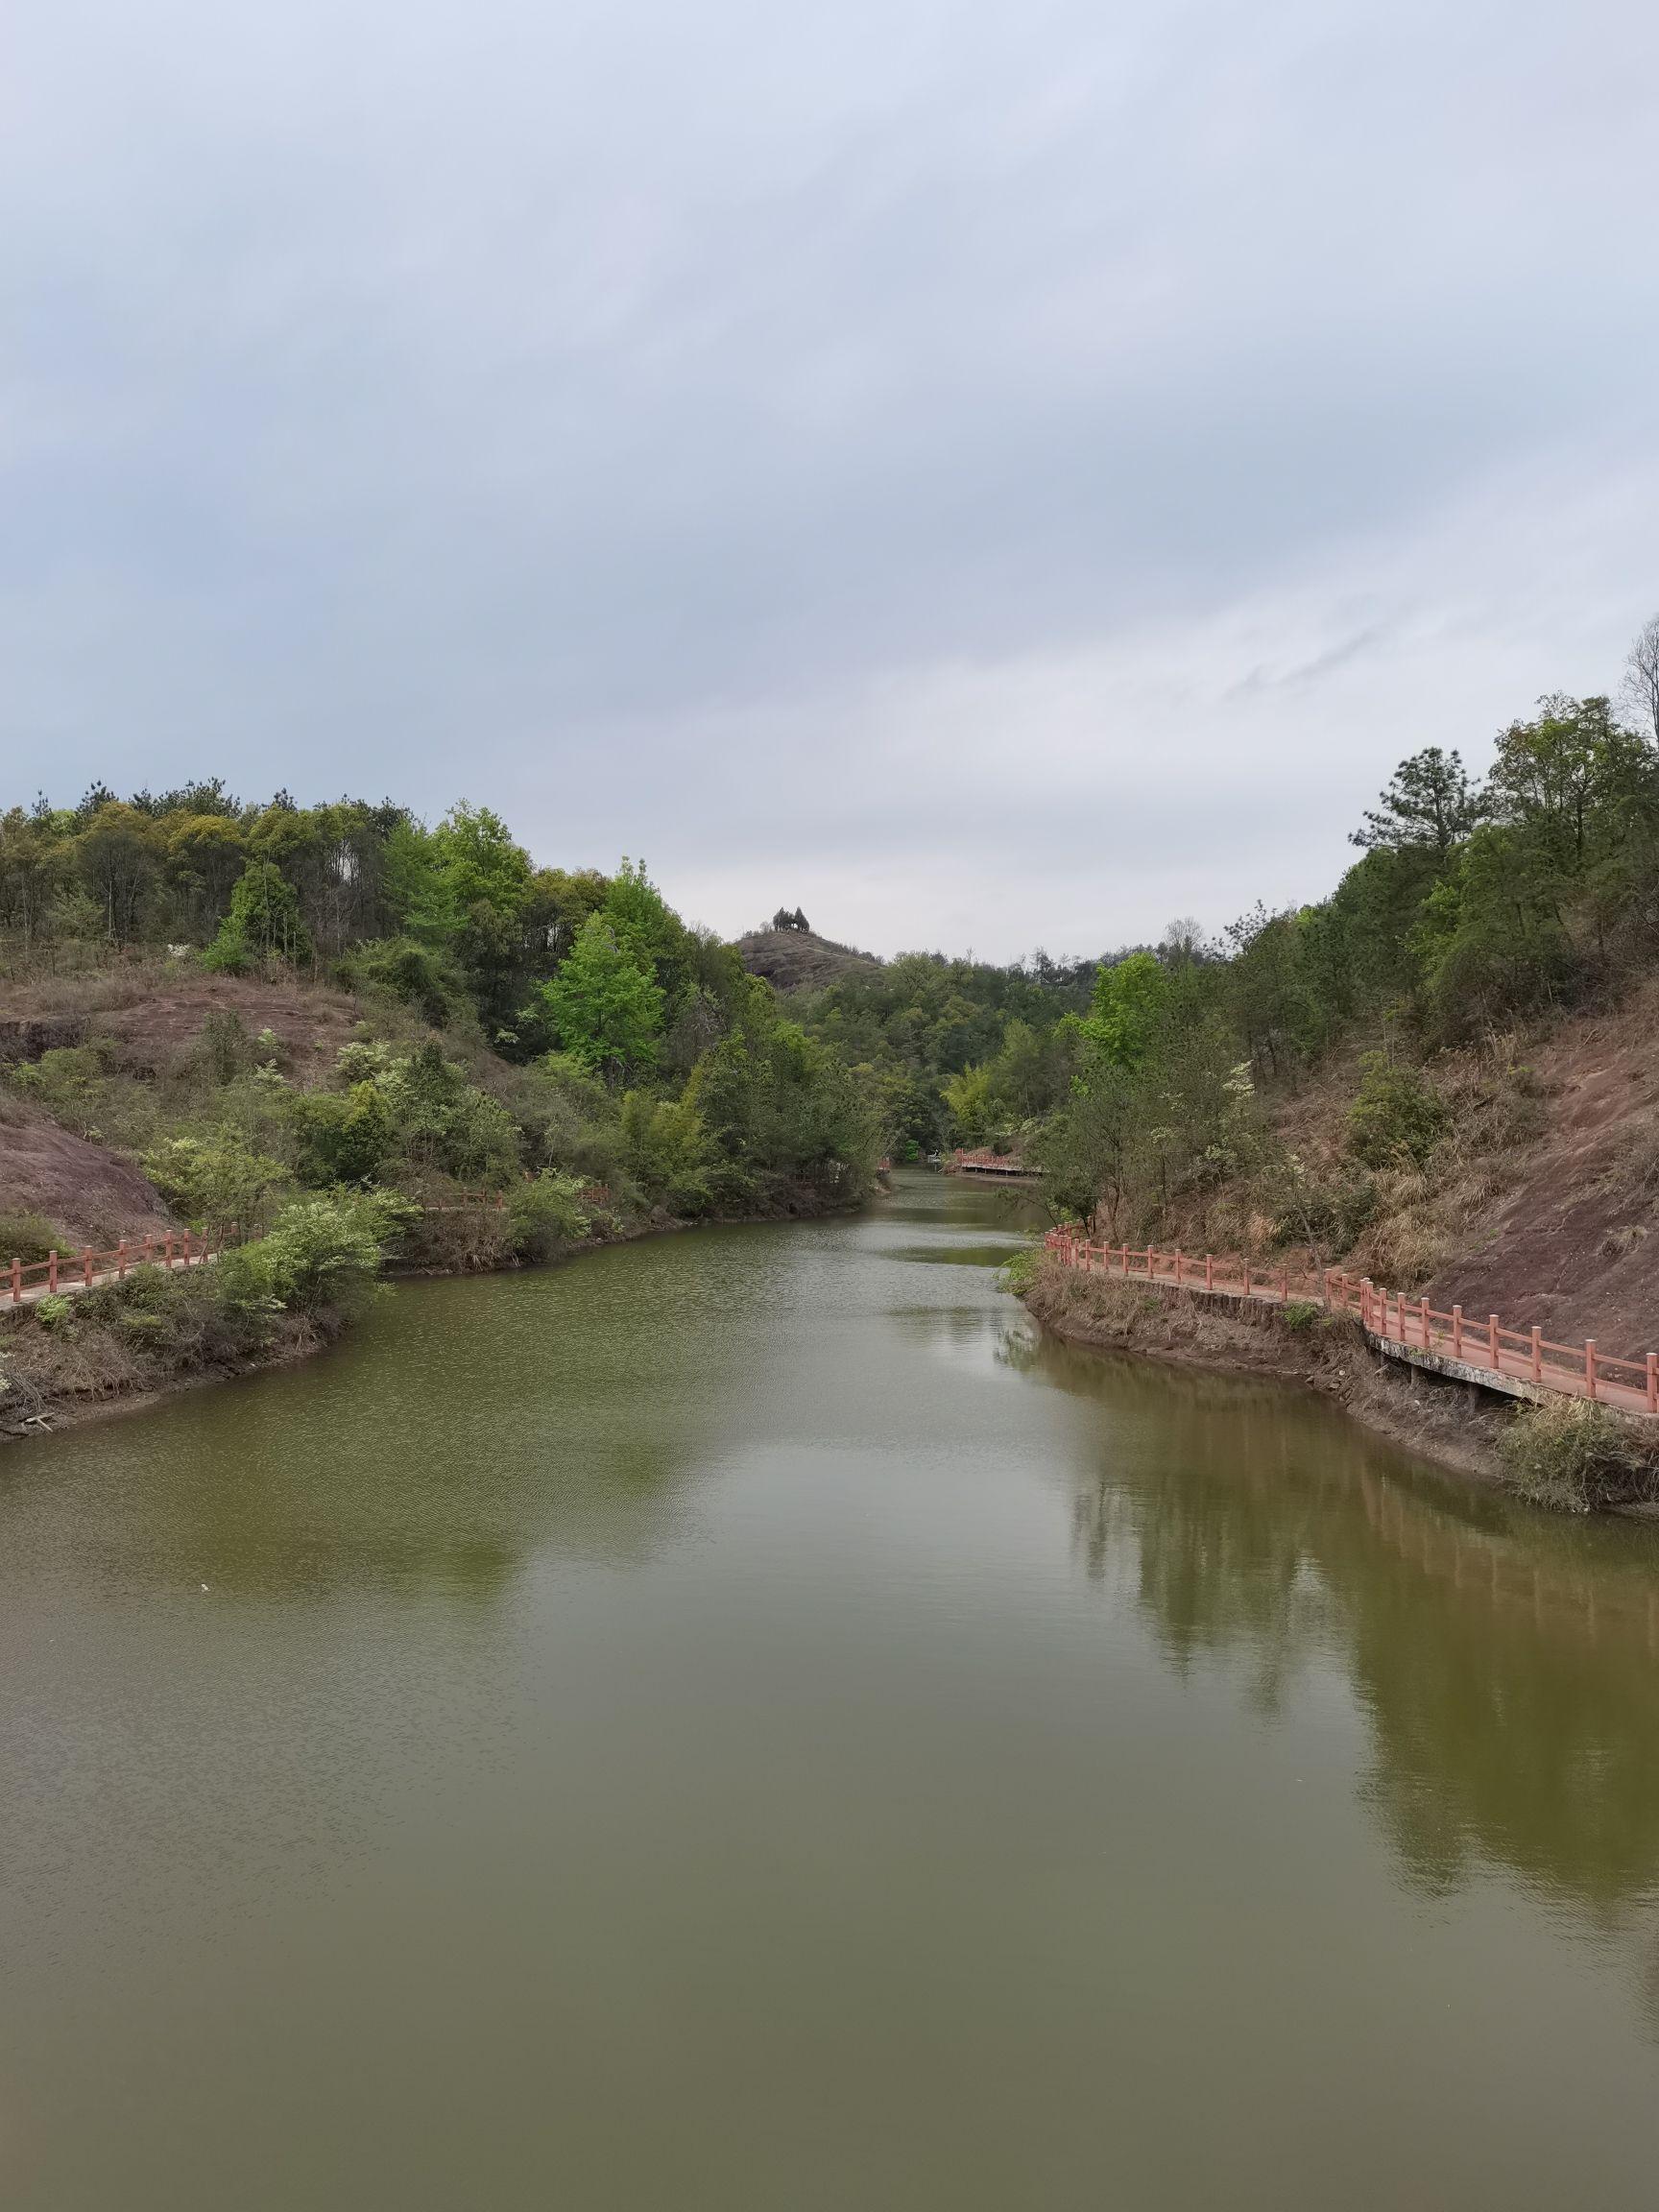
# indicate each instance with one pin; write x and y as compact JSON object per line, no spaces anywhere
{"x":741,"y":1724}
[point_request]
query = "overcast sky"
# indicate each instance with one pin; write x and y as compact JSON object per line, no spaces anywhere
{"x":995,"y":474}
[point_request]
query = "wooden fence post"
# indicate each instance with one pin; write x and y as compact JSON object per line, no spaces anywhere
{"x":1537,"y":1352}
{"x":51,"y":1270}
{"x":1456,"y":1331}
{"x":1492,"y":1341}
{"x":1590,"y":1365}
{"x":1246,"y":1275}
{"x":1428,"y":1333}
{"x":16,"y":1281}
{"x":1209,"y":1270}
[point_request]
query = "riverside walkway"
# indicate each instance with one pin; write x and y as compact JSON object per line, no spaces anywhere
{"x":1521,"y":1362}
{"x":24,"y":1282}
{"x":61,"y":1274}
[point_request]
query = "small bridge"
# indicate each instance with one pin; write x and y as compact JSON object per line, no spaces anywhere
{"x":1005,"y":1166}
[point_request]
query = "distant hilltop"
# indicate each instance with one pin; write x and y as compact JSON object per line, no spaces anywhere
{"x":792,"y":957}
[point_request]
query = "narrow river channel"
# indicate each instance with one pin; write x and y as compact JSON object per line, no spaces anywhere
{"x":738,"y":1725}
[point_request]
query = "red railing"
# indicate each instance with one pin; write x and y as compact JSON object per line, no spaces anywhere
{"x":26,"y":1281}
{"x":1520,"y":1355}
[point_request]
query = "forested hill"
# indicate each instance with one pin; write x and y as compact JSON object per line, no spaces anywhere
{"x":252,"y":999}
{"x":1357,"y":1076}
{"x":1446,"y":1055}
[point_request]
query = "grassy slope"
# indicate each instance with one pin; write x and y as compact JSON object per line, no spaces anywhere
{"x":799,"y":960}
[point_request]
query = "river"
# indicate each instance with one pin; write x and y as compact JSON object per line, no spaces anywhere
{"x":739,"y":1722}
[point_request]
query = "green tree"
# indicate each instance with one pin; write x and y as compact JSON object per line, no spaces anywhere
{"x":263,"y":922}
{"x":605,"y":1005}
{"x":1430,"y":804}
{"x":1131,"y":999}
{"x":973,"y":1112}
{"x":665,"y":1148}
{"x":119,"y":855}
{"x":32,"y":864}
{"x":205,"y":854}
{"x":1567,"y":778}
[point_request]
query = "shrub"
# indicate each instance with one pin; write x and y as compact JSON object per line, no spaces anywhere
{"x":1311,"y":1210}
{"x":217,"y":1182}
{"x":545,"y":1213}
{"x":224,"y":1049}
{"x":55,"y":1312}
{"x":29,"y":1236}
{"x":1301,"y":1313}
{"x":179,"y":1322}
{"x":1397,"y":1116}
{"x":412,"y":973}
{"x":665,"y":1150}
{"x":1574,"y":1457}
{"x":343,"y":1138}
{"x":67,"y":1081}
{"x":319,"y":1257}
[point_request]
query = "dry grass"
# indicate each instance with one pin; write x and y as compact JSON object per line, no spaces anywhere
{"x":1578,"y":1458}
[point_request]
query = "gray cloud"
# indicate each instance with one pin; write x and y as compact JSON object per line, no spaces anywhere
{"x":1017,"y":470}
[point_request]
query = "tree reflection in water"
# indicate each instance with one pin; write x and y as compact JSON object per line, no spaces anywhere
{"x":1507,"y":1664}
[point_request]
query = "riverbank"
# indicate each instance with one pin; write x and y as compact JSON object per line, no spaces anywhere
{"x":1455,"y":1424}
{"x":123,"y":1348}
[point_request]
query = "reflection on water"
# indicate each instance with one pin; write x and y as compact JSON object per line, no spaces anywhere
{"x":1505,"y":1661}
{"x":747,"y":1722}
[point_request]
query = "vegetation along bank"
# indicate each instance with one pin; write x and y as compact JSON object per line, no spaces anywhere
{"x":328,"y":1024}
{"x":319,"y":1033}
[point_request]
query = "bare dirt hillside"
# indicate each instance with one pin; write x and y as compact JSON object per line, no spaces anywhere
{"x":153,"y":1014}
{"x":798,"y":960}
{"x":89,"y":1193}
{"x":1573,"y":1245}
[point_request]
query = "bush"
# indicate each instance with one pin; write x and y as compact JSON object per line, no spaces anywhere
{"x":545,"y":1215}
{"x":343,"y":1138}
{"x":666,"y":1149}
{"x":1574,"y":1457}
{"x":55,"y":1312}
{"x":319,"y":1257}
{"x":1301,"y":1313}
{"x":217,"y":1182}
{"x":29,"y":1236}
{"x":68,"y":1082}
{"x":224,"y":1049}
{"x":411,"y":974}
{"x":1316,"y":1211}
{"x":1396,"y":1117}
{"x":179,"y":1322}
